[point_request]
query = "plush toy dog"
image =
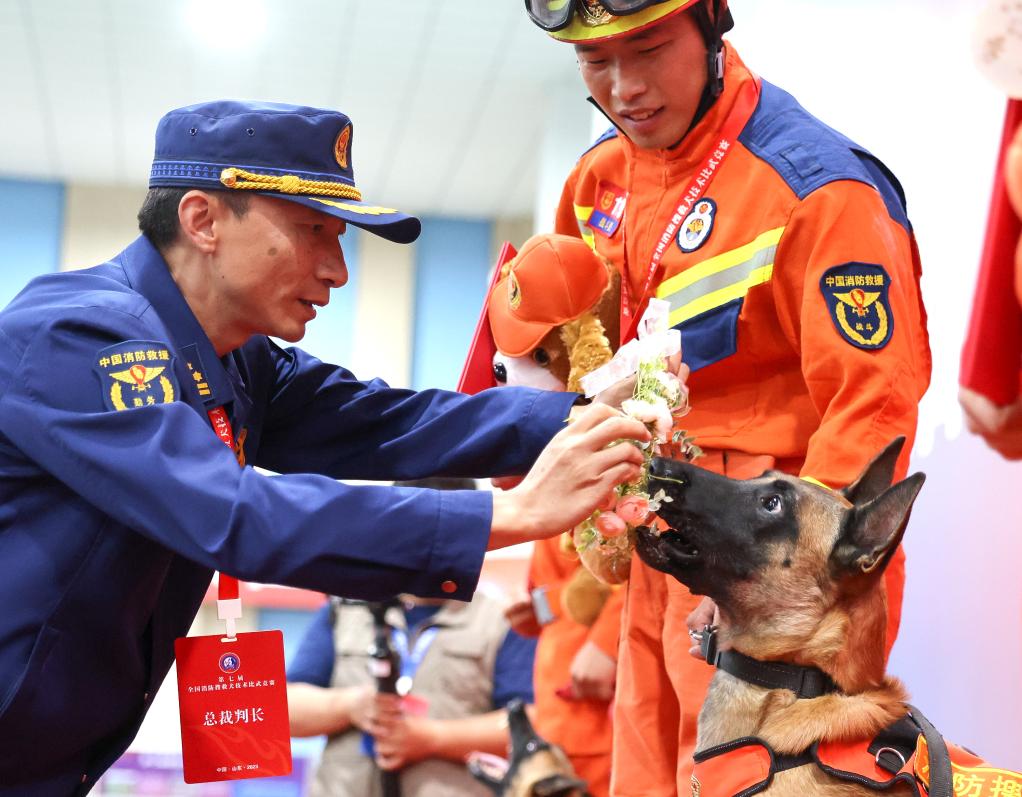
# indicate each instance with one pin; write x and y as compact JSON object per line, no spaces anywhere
{"x":554,"y":314}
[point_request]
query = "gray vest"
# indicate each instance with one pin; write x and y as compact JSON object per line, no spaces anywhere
{"x":455,"y":677}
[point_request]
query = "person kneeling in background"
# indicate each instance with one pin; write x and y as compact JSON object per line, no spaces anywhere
{"x":461,"y":665}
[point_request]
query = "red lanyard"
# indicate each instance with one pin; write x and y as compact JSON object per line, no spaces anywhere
{"x":227,"y":586}
{"x":739,"y":116}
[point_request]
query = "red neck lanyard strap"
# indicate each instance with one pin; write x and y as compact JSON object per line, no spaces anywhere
{"x":228,"y":593}
{"x":744,"y":107}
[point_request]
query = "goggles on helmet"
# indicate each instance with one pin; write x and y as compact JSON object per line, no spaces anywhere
{"x":552,"y":15}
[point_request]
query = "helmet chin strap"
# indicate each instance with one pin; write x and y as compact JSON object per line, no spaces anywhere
{"x":713,"y":30}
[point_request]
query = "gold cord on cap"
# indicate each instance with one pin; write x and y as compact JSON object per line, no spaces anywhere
{"x":286,"y":184}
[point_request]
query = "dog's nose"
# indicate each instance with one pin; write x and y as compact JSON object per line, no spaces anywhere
{"x":669,"y":469}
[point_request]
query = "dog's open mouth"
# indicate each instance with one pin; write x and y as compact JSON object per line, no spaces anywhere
{"x":678,"y":545}
{"x":668,"y":551}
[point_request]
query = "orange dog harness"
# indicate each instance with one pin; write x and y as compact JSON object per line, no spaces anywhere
{"x":899,"y":753}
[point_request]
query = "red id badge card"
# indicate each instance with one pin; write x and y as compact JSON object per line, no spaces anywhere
{"x":233,"y":697}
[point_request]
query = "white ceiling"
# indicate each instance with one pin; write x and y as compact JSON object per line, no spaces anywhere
{"x":447,"y":96}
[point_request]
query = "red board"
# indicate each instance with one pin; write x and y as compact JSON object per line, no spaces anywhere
{"x":233,"y":697}
{"x":477,"y":373}
{"x":992,"y":355}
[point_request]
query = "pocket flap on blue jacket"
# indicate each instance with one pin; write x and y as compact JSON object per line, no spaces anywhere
{"x":710,"y":336}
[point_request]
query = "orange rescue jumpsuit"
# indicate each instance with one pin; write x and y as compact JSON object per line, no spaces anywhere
{"x":582,"y":728}
{"x":801,"y":317}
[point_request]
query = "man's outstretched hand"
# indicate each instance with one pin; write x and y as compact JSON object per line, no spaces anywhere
{"x":573,"y":474}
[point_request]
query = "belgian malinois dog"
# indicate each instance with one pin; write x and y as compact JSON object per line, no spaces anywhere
{"x":535,"y":768}
{"x":795,"y":570}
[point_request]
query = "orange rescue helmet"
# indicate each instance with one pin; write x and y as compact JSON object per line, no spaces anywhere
{"x":591,"y":21}
{"x":582,"y":21}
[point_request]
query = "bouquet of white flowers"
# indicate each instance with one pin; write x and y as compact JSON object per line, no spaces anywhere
{"x":606,"y":539}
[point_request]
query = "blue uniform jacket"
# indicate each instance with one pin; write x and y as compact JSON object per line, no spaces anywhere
{"x":112,"y":522}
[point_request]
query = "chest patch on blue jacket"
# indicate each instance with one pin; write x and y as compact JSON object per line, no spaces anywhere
{"x":857,"y":298}
{"x":136,"y":373}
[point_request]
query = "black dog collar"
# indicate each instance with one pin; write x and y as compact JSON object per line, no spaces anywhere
{"x":805,"y":682}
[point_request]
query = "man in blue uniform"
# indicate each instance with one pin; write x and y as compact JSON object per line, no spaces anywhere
{"x":120,"y":384}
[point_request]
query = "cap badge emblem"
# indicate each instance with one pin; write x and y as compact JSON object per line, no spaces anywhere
{"x":341,"y":147}
{"x":592,"y":13}
{"x":514,"y":291}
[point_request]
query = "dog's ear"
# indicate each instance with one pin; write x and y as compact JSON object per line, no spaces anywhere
{"x":874,"y":529}
{"x":877,"y":476}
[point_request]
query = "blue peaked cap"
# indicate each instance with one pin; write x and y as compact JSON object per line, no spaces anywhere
{"x":290,"y":152}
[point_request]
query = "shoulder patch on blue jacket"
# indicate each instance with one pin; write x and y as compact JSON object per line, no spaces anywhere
{"x":808,"y":154}
{"x":608,"y":134}
{"x":136,"y":373}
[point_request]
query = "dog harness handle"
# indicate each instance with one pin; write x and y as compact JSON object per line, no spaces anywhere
{"x":941,"y":776}
{"x":909,"y":751}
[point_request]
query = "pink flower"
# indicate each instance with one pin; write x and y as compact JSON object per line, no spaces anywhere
{"x":609,"y":502}
{"x":610,"y":525}
{"x":632,"y":509}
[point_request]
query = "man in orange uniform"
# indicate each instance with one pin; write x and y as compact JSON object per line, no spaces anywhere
{"x":789,"y":262}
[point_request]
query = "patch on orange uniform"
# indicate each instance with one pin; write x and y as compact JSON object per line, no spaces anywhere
{"x":608,"y":209}
{"x":856,"y":295}
{"x":698,"y":225}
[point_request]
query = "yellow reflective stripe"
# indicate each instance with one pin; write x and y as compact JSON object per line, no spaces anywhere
{"x":722,"y":261}
{"x":582,"y":214}
{"x":721,"y":297}
{"x":817,"y":482}
{"x":364,"y":210}
{"x":720,"y":279}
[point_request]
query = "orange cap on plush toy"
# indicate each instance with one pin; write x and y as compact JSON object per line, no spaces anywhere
{"x":552,"y":280}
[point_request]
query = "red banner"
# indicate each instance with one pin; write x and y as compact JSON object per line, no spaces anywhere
{"x":992,"y":355}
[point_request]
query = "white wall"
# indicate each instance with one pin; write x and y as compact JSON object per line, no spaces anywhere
{"x":898,"y":77}
{"x":99,"y":221}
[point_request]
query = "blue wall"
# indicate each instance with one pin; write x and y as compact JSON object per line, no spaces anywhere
{"x":31,"y":221}
{"x":452,"y":260}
